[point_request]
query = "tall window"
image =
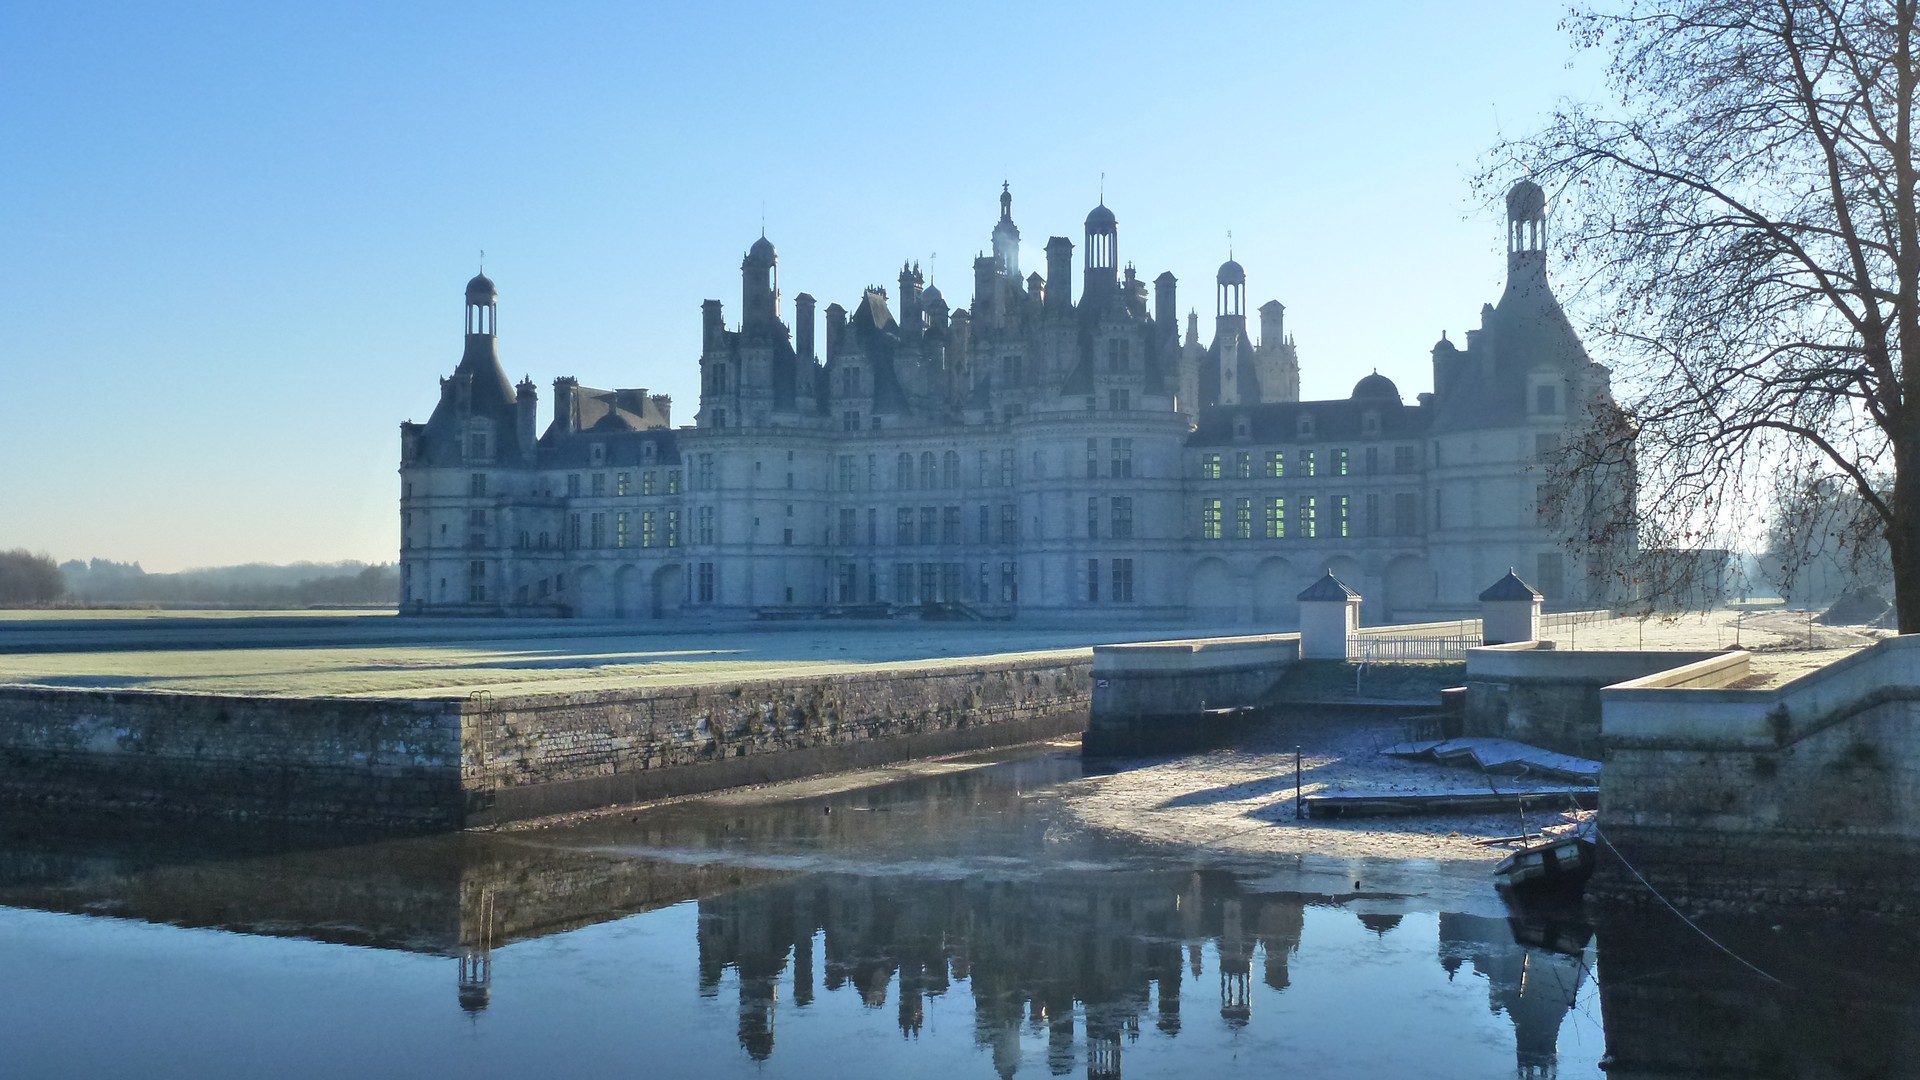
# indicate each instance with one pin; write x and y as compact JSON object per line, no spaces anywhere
{"x":1337,"y":461}
{"x":1243,"y":519}
{"x":1122,"y":517}
{"x":1121,"y":453}
{"x":673,"y":528}
{"x":1009,"y":524}
{"x":844,"y":466}
{"x":929,"y":524}
{"x":1373,"y":461}
{"x":1210,"y":519}
{"x":1119,"y":400}
{"x":573,"y":530}
{"x":1006,"y":468}
{"x":622,"y":483}
{"x":873,"y":528}
{"x":1123,"y":581}
{"x":1306,"y":463}
{"x":646,"y":528}
{"x":673,"y":481}
{"x":620,"y":535}
{"x":1373,"y":515}
{"x":1209,"y":466}
{"x":476,"y":581}
{"x":1309,"y":515}
{"x":903,"y":525}
{"x":846,"y":527}
{"x":704,"y":577}
{"x":1093,"y":458}
{"x":573,"y":484}
{"x":1093,"y":581}
{"x":599,"y":485}
{"x":599,"y":528}
{"x":646,"y":482}
{"x":1403,"y":459}
{"x":477,"y":485}
{"x":1276,"y":518}
{"x":1093,"y":517}
{"x":903,"y":471}
{"x":950,"y":469}
{"x":1243,"y":464}
{"x":705,"y":525}
{"x":929,"y":471}
{"x":950,"y":525}
{"x":1276,"y":464}
{"x":1406,"y":514}
{"x":1340,"y":512}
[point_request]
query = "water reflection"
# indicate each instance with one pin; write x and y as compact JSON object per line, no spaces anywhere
{"x":1087,"y":962}
{"x":967,"y":896}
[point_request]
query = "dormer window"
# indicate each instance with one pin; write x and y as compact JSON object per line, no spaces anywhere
{"x":647,"y":452}
{"x":1370,"y":422}
{"x":1242,"y":428}
{"x":1305,"y":426}
{"x":1546,"y":399}
{"x":597,"y":453}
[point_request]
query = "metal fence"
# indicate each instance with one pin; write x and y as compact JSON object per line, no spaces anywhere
{"x":1370,"y":648}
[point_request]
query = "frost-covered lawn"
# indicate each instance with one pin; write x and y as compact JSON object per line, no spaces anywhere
{"x":225,"y":652}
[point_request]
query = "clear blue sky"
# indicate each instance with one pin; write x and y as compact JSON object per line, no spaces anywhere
{"x":233,"y":237}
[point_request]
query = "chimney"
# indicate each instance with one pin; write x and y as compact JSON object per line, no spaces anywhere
{"x":803,"y":325}
{"x":565,"y":415}
{"x":836,"y":328}
{"x":526,"y":404}
{"x":1272,"y":321}
{"x":1059,"y":275}
{"x":711,"y":326}
{"x":1166,"y":319}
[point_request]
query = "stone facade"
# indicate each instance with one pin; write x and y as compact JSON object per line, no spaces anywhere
{"x":1031,"y":455}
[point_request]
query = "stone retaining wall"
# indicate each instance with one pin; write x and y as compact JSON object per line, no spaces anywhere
{"x":533,"y":756}
{"x":427,"y":765}
{"x":1804,"y":795}
{"x":1533,"y":693}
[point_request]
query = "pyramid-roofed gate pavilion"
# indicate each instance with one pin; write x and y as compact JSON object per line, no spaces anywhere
{"x":1029,"y":455}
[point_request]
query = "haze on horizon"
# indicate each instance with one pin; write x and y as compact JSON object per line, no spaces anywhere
{"x":233,"y":245}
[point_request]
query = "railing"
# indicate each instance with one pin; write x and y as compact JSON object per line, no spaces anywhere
{"x":1370,"y":648}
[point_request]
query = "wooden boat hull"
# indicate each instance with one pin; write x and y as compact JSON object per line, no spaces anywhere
{"x":1555,"y":867}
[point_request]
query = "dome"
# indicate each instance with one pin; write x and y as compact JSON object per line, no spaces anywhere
{"x":1376,"y":385}
{"x":1525,"y":201}
{"x":480,"y":290}
{"x":932,"y":296}
{"x":761,"y":249}
{"x":1231,"y":273}
{"x":1100,"y":220}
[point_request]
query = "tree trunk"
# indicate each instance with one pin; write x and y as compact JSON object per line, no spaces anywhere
{"x":1903,"y":540}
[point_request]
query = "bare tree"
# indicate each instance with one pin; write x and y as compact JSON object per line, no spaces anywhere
{"x":28,"y":580}
{"x":1742,"y":218}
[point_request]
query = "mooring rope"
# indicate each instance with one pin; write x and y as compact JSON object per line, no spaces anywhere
{"x":1711,"y":940}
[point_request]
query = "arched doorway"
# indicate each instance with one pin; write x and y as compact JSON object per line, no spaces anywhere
{"x":590,"y":599}
{"x":1210,"y":593}
{"x":667,"y":588}
{"x":626,"y":593}
{"x":1274,"y":588}
{"x":1409,"y":588}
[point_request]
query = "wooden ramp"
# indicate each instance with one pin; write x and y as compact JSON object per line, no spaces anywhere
{"x":1337,"y":804}
{"x":1501,"y":756}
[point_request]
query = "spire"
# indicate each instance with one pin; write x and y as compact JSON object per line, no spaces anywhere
{"x":1006,"y":236}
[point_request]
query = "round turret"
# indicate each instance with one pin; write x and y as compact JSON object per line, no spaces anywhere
{"x":480,"y":290}
{"x":1100,"y":219}
{"x":762,"y":249}
{"x":1231,"y":273}
{"x":1376,"y":386}
{"x":1526,"y":202}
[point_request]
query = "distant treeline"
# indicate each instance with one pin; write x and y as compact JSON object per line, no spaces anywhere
{"x":31,"y":579}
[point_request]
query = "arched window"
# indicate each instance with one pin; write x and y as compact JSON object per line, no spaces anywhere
{"x":903,"y":471}
{"x":951,"y":469}
{"x":929,"y":474}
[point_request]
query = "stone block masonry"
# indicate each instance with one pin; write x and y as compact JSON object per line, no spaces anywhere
{"x":1807,"y":795}
{"x":533,"y":756}
{"x":433,"y":765}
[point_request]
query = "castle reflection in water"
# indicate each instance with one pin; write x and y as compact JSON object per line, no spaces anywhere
{"x":1041,"y":954}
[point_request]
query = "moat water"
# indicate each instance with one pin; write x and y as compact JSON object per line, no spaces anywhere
{"x":955,"y":924}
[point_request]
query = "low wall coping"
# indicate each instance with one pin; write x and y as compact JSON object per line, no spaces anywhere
{"x":1195,"y":654}
{"x":1529,"y":660}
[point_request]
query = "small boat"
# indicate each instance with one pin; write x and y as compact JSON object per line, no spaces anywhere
{"x":1554,"y":866}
